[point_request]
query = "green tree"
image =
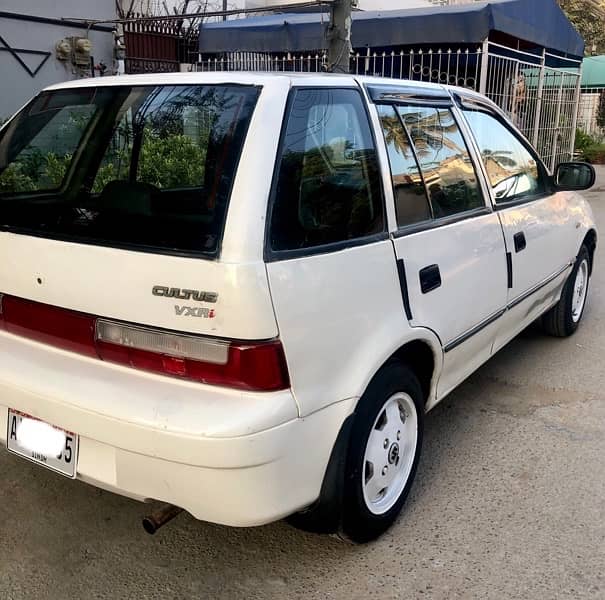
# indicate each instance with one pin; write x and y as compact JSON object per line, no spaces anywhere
{"x":588,"y":17}
{"x":601,"y":110}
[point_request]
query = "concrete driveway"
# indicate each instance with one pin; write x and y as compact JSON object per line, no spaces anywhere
{"x":509,"y":502}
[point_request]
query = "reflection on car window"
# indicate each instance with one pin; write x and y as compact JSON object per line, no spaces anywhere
{"x":149,"y":166}
{"x":444,"y":160}
{"x":411,"y":203}
{"x":42,"y":156}
{"x":513,"y":172}
{"x":328,"y":186}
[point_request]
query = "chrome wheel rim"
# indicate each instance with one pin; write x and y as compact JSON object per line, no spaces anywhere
{"x":580,"y":287}
{"x":389,"y":454}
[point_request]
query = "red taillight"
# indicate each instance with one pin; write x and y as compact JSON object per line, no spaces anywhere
{"x":50,"y":325}
{"x":258,"y":366}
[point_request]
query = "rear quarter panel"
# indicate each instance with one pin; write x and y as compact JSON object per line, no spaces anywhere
{"x":340,"y":317}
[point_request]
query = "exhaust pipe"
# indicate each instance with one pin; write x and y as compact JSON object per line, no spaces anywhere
{"x":159,"y":517}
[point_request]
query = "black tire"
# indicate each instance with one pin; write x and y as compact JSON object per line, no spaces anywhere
{"x":559,"y":321}
{"x":341,"y":508}
{"x":359,"y":523}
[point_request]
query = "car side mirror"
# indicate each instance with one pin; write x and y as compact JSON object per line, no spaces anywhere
{"x":574,"y":176}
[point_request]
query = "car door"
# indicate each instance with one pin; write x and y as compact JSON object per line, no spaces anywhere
{"x":537,"y":226}
{"x":448,"y":243}
{"x":330,"y":262}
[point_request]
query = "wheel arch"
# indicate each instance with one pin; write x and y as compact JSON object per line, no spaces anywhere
{"x":423,"y":353}
{"x":420,"y":357}
{"x":590,"y":241}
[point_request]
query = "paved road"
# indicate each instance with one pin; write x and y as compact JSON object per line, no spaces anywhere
{"x":509,"y":502}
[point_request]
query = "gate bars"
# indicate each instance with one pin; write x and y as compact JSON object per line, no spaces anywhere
{"x":539,"y":92}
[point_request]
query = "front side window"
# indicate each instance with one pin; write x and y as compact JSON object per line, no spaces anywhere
{"x":446,"y":166}
{"x":512,"y":171}
{"x":147,"y":166}
{"x":327,"y":187}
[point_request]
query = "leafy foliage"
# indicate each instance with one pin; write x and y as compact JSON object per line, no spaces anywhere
{"x":588,"y":17}
{"x":35,"y":171}
{"x":55,"y":169}
{"x":14,"y":179}
{"x":583,"y":141}
{"x":171,"y":162}
{"x":591,"y":150}
{"x":595,"y":154}
{"x":601,"y":110}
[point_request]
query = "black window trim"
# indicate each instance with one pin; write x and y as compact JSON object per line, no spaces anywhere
{"x":402,"y":94}
{"x":270,"y":255}
{"x":441,"y":222}
{"x":466,"y":104}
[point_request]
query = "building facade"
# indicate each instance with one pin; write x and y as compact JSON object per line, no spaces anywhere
{"x":42,"y":43}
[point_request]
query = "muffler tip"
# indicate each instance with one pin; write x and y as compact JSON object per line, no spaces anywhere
{"x":149,"y":526}
{"x":159,"y":517}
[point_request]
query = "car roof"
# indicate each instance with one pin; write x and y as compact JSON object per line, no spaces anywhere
{"x":237,"y":77}
{"x":265,"y":79}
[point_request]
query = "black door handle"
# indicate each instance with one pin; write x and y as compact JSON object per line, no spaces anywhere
{"x":430,"y":278}
{"x":520,"y":242}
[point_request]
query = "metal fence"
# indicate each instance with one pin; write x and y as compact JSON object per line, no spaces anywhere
{"x":156,"y":46}
{"x":541,"y":99}
{"x":540,"y":92}
{"x":591,"y":112}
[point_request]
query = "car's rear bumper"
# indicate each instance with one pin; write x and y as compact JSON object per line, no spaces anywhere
{"x":225,"y":456}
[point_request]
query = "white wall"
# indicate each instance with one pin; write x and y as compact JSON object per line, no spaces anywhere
{"x":57,"y":9}
{"x":17,"y":86}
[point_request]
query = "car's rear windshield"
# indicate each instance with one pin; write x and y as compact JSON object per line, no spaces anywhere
{"x":148,"y":167}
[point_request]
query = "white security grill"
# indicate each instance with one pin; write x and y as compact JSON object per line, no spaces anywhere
{"x":539,"y":92}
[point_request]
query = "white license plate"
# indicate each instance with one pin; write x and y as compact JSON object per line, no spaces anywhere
{"x":42,"y":443}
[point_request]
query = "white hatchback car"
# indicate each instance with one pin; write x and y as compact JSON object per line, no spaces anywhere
{"x":239,"y":293}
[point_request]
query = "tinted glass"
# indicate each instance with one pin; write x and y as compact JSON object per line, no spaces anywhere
{"x":411,"y":204}
{"x":513,"y":172}
{"x":146,"y":166}
{"x":328,"y":184}
{"x":38,"y":152}
{"x":444,"y":160}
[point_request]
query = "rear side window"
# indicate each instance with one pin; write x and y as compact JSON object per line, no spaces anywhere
{"x":327,"y":187}
{"x":432,"y":172}
{"x":411,"y":202}
{"x":144,"y":166}
{"x":447,"y":168}
{"x":513,"y":172}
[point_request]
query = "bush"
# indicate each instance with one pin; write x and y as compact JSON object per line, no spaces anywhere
{"x":34,"y":171}
{"x":583,"y":141}
{"x":601,"y":110}
{"x":14,"y":179}
{"x":171,"y":162}
{"x":595,"y":154}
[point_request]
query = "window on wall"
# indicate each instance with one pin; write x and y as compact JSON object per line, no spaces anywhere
{"x":513,"y":172}
{"x":411,"y":202}
{"x":328,"y":182}
{"x":444,"y":161}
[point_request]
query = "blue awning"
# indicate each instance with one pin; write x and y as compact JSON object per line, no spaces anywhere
{"x":540,"y":22}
